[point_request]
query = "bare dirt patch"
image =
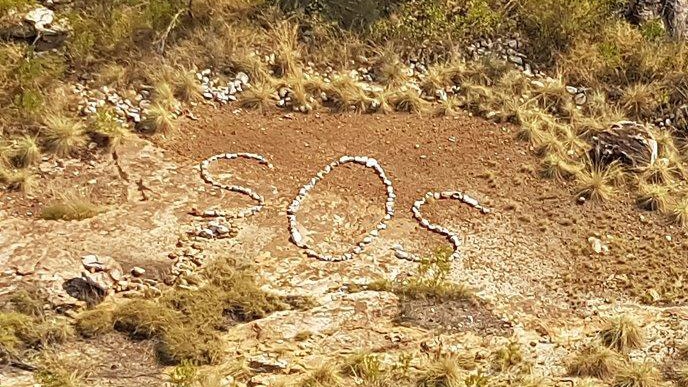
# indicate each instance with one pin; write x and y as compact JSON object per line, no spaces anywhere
{"x":452,"y":316}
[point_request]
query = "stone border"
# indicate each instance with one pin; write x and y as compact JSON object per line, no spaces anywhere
{"x":453,"y":238}
{"x":208,"y":178}
{"x":294,"y":207}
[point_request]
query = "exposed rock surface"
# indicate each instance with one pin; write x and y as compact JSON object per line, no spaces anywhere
{"x":627,"y":142}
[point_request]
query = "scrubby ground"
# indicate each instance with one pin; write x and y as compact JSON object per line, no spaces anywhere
{"x":111,"y":277}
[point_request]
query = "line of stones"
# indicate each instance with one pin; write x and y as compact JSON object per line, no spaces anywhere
{"x":295,"y":205}
{"x":293,"y":208}
{"x":453,"y":238}
{"x":208,"y":178}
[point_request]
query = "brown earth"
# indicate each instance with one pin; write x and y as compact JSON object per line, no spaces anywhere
{"x":529,"y":260}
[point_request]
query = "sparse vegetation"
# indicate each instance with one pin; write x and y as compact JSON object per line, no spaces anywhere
{"x":444,"y":371}
{"x":637,"y":375}
{"x":621,"y":334}
{"x":599,"y":183}
{"x":71,"y":206}
{"x":596,"y":362}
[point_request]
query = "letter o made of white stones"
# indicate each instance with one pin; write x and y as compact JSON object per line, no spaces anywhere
{"x":208,"y":178}
{"x":295,"y":205}
{"x":452,"y":237}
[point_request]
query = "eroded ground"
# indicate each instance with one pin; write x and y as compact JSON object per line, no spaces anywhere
{"x":530,"y":259}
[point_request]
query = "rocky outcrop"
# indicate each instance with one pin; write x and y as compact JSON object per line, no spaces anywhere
{"x":674,"y":14}
{"x":38,"y":27}
{"x":626,"y":142}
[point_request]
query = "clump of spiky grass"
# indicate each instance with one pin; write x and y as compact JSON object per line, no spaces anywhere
{"x":641,"y":100}
{"x":163,"y":95}
{"x":389,"y":68}
{"x":436,"y":79}
{"x":637,"y":375}
{"x":159,"y":120}
{"x":597,"y":182}
{"x":107,"y":131}
{"x":21,"y":180}
{"x":552,"y":94}
{"x":408,"y":101}
{"x":325,"y":375}
{"x":661,"y":171}
{"x":597,"y":362}
{"x":621,"y":334}
{"x":444,"y":371}
{"x":64,"y":135}
{"x":25,"y":151}
{"x":258,"y":96}
{"x":186,"y":86}
{"x":448,"y":107}
{"x":555,"y":166}
{"x":71,"y":206}
{"x":653,"y":197}
{"x":678,"y":212}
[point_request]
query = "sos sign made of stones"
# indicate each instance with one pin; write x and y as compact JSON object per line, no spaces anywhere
{"x":293,"y":209}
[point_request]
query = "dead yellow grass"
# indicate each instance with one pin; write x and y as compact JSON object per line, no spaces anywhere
{"x":599,"y":183}
{"x":64,"y":135}
{"x":597,"y":362}
{"x":71,"y":206}
{"x":622,"y":334}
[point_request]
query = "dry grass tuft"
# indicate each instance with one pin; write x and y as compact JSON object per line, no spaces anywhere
{"x":258,"y":96}
{"x":25,"y":151}
{"x":71,"y":206}
{"x":622,"y":334}
{"x":163,"y":95}
{"x":448,"y":107}
{"x":555,"y":166}
{"x":678,"y":212}
{"x":64,"y":135}
{"x":641,"y":100}
{"x":143,"y":319}
{"x":159,"y":120}
{"x":21,"y":180}
{"x":408,"y":101}
{"x":598,"y":182}
{"x":596,"y":362}
{"x":107,"y":131}
{"x":637,"y":375}
{"x":442,"y":372}
{"x":662,"y":171}
{"x":653,"y":197}
{"x":179,"y":343}
{"x":95,"y":322}
{"x":186,"y":87}
{"x":326,"y":375}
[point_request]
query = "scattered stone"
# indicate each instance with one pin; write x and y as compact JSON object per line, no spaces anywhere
{"x":138,"y":271}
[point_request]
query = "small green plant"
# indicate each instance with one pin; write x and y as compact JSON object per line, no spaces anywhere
{"x":508,"y":356}
{"x":445,"y":371}
{"x":183,"y":375}
{"x":365,"y":366}
{"x":653,"y":30}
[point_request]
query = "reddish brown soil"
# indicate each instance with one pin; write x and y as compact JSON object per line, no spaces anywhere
{"x":536,"y":219}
